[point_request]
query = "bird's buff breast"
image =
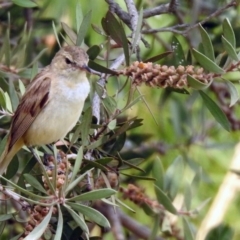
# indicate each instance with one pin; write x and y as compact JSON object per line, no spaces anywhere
{"x":60,"y":115}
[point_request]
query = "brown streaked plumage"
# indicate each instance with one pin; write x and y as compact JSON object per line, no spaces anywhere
{"x":51,"y":105}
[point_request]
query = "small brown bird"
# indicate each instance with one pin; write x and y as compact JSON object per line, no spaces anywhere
{"x":51,"y":105}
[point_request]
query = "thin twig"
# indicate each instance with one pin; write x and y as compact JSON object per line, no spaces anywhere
{"x":189,"y":28}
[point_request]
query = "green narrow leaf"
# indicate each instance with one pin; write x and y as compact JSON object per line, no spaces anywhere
{"x":77,"y":163}
{"x":137,"y":33}
{"x":195,"y":83}
{"x":115,"y":29}
{"x":164,"y":200}
{"x":55,"y":33}
{"x":158,"y":173}
{"x":158,"y":57}
{"x":99,"y":68}
{"x":234,"y":95}
{"x":93,"y":52}
{"x":173,"y":177}
{"x":139,"y":177}
{"x":59,"y":229}
{"x":216,"y":111}
{"x":83,"y":28}
{"x":79,"y":15}
{"x":25,"y":3}
{"x":94,"y":195}
{"x":40,"y":228}
{"x":86,"y":124}
{"x":207,"y":44}
{"x":2,"y":99}
{"x":75,"y":182}
{"x":109,"y":104}
{"x":188,"y":231}
{"x":229,"y":33}
{"x":78,"y":220}
{"x":207,"y":63}
{"x":229,"y":49}
{"x":13,"y":95}
{"x":35,"y":59}
{"x":188,"y":197}
{"x":70,"y":33}
{"x":8,"y":102}
{"x":7,"y":48}
{"x":5,"y":217}
{"x":34,"y":182}
{"x":21,"y":88}
{"x":92,"y":214}
{"x":155,"y":228}
{"x":178,"y":53}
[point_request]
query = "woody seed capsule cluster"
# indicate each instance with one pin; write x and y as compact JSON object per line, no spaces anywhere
{"x":62,"y":167}
{"x":38,"y":212}
{"x":155,"y":75}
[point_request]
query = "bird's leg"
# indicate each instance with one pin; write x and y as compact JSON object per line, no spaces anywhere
{"x":34,"y":154}
{"x":50,"y":147}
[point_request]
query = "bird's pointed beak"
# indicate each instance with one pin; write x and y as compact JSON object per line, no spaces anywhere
{"x":86,"y":68}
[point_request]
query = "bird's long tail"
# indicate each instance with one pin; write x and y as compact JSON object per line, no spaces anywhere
{"x":8,"y":154}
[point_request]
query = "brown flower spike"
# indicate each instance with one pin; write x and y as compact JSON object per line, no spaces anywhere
{"x":155,"y":75}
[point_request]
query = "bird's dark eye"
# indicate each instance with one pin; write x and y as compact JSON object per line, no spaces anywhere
{"x":67,"y":61}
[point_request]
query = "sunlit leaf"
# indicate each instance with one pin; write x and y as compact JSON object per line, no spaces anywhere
{"x":207,"y":63}
{"x":216,"y":111}
{"x":21,"y":87}
{"x":8,"y":102}
{"x":2,"y":99}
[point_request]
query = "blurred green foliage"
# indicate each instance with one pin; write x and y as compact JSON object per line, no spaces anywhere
{"x":178,"y":137}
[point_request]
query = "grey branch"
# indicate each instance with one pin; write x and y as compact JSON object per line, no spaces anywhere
{"x":102,"y":81}
{"x":126,"y":18}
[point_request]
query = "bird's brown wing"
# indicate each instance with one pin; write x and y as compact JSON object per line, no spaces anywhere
{"x":33,"y":101}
